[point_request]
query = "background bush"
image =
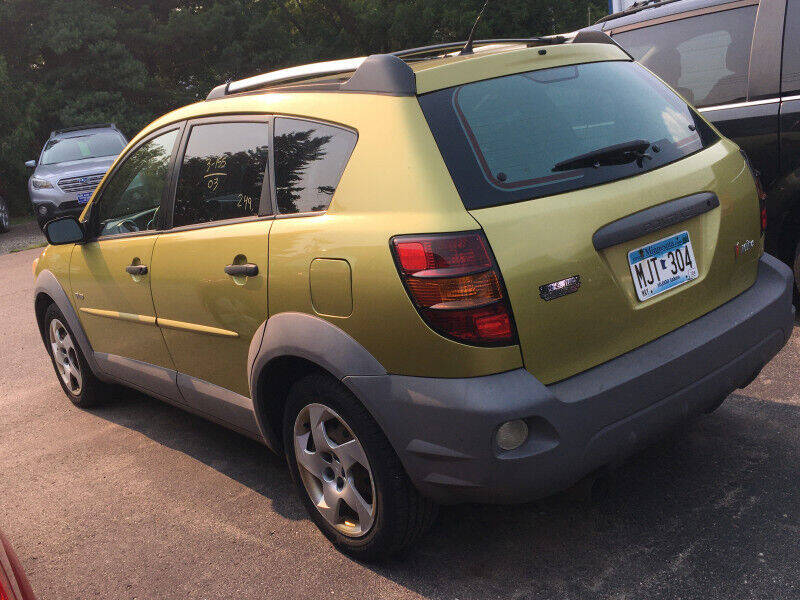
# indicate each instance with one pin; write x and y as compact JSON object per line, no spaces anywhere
{"x":73,"y":62}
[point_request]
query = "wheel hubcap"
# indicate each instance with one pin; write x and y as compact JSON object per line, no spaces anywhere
{"x":65,"y":357}
{"x":334,"y":469}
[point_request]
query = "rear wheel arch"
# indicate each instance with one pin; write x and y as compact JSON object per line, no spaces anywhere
{"x":271,"y":391}
{"x":293,"y":346}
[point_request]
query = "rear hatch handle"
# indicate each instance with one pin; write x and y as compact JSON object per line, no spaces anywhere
{"x":653,"y":219}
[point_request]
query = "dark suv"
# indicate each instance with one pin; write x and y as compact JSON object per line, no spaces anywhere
{"x":738,"y":61}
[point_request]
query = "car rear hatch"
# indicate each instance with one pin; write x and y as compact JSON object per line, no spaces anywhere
{"x":615,"y":213}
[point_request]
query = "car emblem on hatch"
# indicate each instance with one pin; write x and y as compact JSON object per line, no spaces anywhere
{"x":557,"y":289}
{"x":744,"y":247}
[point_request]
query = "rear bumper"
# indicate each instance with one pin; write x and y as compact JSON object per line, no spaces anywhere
{"x":443,"y":429}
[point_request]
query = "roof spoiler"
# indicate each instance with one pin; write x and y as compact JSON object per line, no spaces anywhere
{"x":381,"y":73}
{"x":593,"y":36}
{"x":81,"y":127}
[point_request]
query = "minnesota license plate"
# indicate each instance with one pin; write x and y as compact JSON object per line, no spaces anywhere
{"x":662,"y":265}
{"x":83,"y":197}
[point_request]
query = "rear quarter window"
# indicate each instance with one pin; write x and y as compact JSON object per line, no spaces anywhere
{"x":310,"y":158}
{"x":503,"y":139}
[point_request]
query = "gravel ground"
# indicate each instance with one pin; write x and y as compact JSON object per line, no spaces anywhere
{"x":22,"y":236}
{"x":137,"y":499}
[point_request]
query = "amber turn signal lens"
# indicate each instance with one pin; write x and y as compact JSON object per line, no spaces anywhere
{"x":463,"y":292}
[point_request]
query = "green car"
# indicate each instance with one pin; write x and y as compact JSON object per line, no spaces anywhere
{"x":428,"y":277}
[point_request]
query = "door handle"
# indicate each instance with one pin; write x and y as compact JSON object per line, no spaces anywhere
{"x":136,"y":269}
{"x":246,"y":270}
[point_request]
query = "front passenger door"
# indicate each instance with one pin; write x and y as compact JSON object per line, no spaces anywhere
{"x":110,"y":274}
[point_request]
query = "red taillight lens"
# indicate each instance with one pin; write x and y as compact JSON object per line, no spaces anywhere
{"x":484,"y":325}
{"x":456,"y":286}
{"x":466,"y":252}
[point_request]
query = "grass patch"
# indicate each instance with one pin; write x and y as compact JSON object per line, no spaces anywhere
{"x":20,"y":220}
{"x":28,"y":247}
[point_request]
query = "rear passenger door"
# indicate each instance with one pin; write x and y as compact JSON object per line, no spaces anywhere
{"x":724,"y":59}
{"x":209,"y":271}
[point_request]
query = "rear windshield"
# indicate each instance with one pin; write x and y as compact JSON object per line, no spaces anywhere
{"x":554,"y":130}
{"x":93,"y":145}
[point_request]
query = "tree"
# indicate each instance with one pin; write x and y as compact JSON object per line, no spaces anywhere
{"x":73,"y":62}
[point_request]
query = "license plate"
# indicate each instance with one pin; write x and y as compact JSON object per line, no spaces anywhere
{"x":83,"y":197}
{"x":662,"y":265}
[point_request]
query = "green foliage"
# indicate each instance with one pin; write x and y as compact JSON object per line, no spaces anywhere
{"x":72,"y":62}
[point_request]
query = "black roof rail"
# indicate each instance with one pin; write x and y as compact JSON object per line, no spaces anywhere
{"x":80,"y":127}
{"x":635,"y":8}
{"x":379,"y":73}
{"x":438,"y":48}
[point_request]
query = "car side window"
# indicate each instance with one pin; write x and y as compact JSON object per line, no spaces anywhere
{"x":790,"y":78}
{"x":310,"y":158}
{"x":131,"y":199}
{"x":705,"y":58}
{"x":222,"y":172}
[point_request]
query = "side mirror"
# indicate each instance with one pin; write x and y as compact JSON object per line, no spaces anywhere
{"x":31,"y":164}
{"x":65,"y":230}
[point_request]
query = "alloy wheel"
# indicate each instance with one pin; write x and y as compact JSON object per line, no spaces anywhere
{"x":65,"y":357}
{"x":334,"y":469}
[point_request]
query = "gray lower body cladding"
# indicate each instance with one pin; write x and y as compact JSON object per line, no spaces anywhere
{"x":443,"y":429}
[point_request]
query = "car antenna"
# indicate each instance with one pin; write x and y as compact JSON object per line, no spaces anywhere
{"x":467,"y":49}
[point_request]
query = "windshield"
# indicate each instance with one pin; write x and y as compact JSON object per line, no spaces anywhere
{"x":518,"y":137}
{"x":92,"y":145}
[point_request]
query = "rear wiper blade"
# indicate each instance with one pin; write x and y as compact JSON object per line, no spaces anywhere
{"x":618,"y":154}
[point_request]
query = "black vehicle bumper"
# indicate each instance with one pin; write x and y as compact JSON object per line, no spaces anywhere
{"x":47,"y":211}
{"x":443,"y":429}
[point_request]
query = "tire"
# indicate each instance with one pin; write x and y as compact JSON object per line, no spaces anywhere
{"x":5,"y":223}
{"x":392,"y":514}
{"x":73,"y":372}
{"x":796,"y":271}
{"x":715,"y":406}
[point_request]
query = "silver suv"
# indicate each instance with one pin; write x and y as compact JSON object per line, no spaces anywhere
{"x":71,"y":165}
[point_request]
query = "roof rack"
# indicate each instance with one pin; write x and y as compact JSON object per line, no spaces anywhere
{"x":439,"y":48}
{"x":379,"y":73}
{"x":635,"y":8}
{"x":80,"y":127}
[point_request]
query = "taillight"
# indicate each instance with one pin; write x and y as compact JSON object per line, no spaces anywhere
{"x":762,"y":195}
{"x":456,"y":286}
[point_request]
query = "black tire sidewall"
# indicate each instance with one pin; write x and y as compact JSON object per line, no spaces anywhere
{"x":87,"y":396}
{"x":4,"y":227}
{"x":796,"y":267}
